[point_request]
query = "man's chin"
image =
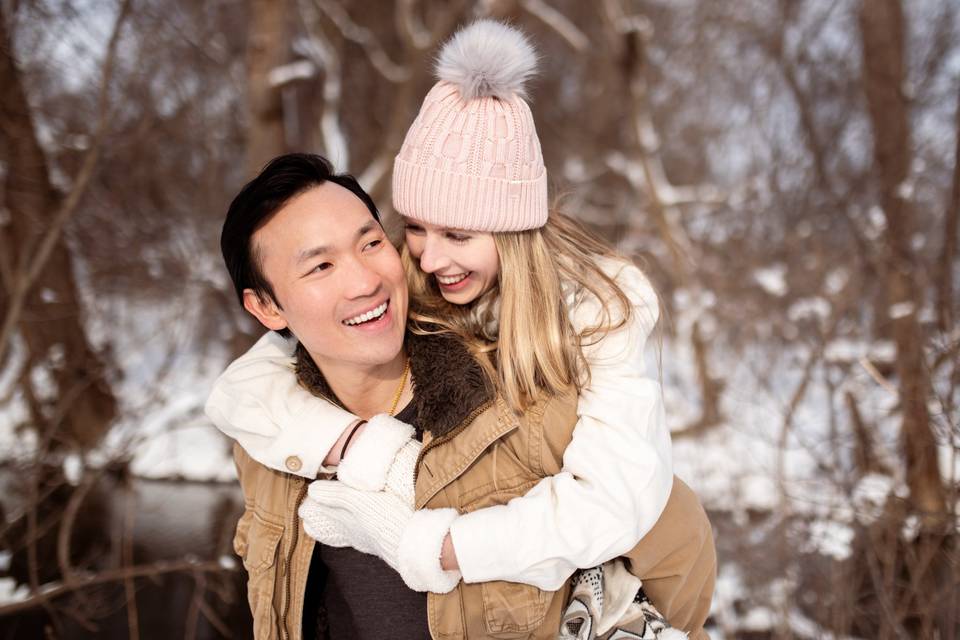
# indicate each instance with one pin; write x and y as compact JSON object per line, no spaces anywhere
{"x":379,"y":348}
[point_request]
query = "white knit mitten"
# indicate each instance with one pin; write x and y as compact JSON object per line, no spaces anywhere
{"x":382,"y":524}
{"x":320,"y":527}
{"x":382,"y":456}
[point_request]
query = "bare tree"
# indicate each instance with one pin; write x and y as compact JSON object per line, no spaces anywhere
{"x":883,"y":39}
{"x":40,"y":298}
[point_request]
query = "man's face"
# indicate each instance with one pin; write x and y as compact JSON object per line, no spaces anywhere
{"x":338,"y":280}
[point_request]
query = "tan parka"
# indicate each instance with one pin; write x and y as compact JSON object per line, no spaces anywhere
{"x":477,"y":453}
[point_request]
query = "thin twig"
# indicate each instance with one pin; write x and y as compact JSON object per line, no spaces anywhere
{"x":111,"y":575}
{"x":129,"y":512}
{"x":876,"y":375}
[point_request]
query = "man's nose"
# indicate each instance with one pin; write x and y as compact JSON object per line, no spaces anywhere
{"x":362,"y":280}
{"x":433,"y":258}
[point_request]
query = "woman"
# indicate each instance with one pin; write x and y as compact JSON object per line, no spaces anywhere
{"x":543,"y":308}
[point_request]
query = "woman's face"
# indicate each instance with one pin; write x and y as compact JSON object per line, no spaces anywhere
{"x":465,"y":264}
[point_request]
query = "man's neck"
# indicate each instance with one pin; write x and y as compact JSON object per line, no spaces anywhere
{"x":365,"y":391}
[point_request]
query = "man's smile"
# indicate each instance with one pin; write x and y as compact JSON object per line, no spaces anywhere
{"x":370,"y":315}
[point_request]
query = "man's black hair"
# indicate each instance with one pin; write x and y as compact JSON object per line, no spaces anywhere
{"x":282,"y":179}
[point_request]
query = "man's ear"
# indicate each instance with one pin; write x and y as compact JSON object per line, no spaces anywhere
{"x":264,"y":309}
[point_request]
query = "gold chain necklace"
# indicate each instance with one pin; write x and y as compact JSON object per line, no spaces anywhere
{"x":403,"y":383}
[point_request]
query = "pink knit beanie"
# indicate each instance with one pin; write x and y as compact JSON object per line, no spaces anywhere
{"x":472,"y":160}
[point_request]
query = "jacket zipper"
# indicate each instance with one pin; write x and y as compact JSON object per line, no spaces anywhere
{"x":449,"y":435}
{"x":293,"y":546}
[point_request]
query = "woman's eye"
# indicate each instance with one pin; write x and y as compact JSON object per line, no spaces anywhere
{"x":412,"y":228}
{"x":458,"y":238}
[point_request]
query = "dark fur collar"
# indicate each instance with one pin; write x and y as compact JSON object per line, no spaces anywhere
{"x":449,"y":383}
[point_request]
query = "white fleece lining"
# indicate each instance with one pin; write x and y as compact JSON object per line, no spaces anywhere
{"x":418,"y":554}
{"x":371,"y":454}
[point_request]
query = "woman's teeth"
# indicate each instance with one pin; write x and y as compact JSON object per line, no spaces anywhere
{"x":373,"y":314}
{"x":452,"y":279}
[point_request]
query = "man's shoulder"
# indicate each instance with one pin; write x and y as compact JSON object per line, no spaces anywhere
{"x":251,"y":473}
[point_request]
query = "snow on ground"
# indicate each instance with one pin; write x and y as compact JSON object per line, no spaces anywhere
{"x":166,"y":433}
{"x":163,"y":380}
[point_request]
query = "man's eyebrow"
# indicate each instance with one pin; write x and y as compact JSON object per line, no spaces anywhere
{"x":313,"y":252}
{"x":367,"y":228}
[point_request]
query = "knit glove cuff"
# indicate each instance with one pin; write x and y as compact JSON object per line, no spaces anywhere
{"x":369,"y":458}
{"x":418,"y":555}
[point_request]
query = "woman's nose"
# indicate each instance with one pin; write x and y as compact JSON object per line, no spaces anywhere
{"x":433,"y":258}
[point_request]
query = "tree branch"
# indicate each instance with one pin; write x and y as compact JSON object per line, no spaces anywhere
{"x":49,"y":592}
{"x":365,"y":39}
{"x":558,"y":22}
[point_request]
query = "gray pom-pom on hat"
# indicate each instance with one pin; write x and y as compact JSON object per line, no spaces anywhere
{"x":488,"y":59}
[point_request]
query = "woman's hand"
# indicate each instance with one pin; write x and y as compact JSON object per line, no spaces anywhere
{"x":381,"y":455}
{"x":382,"y":524}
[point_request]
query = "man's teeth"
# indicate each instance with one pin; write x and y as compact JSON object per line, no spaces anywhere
{"x":452,"y":279}
{"x":369,"y":315}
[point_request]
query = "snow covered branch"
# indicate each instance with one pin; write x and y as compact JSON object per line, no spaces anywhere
{"x":554,"y":19}
{"x":366,"y":39}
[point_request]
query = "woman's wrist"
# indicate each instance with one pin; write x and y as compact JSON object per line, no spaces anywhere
{"x":339,"y":448}
{"x":448,"y":555}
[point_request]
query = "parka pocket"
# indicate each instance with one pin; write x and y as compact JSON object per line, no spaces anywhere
{"x":256,"y":542}
{"x":261,"y":544}
{"x":511,"y":609}
{"x":496,"y":493}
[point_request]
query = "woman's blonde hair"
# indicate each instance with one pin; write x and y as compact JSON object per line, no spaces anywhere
{"x":520,"y":330}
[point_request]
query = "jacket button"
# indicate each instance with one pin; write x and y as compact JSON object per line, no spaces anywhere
{"x":293,"y":463}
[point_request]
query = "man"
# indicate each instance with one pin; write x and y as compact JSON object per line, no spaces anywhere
{"x":308,"y":257}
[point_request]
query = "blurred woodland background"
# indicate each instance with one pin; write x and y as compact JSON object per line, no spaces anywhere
{"x":787,"y":171}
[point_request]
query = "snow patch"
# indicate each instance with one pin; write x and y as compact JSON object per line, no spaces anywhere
{"x":287,"y":73}
{"x":870,"y":495}
{"x":829,"y":538}
{"x":901,"y":310}
{"x":772,"y":279}
{"x":11,"y":593}
{"x":836,"y":280}
{"x":815,"y":308}
{"x":851,"y":350}
{"x":73,"y":468}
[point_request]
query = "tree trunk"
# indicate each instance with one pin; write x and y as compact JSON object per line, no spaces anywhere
{"x":882,"y":37}
{"x":266,"y":50}
{"x":51,"y":322}
{"x":946,"y":302}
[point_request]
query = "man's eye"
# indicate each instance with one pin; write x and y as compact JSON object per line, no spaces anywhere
{"x":323,"y":266}
{"x":373,"y":244}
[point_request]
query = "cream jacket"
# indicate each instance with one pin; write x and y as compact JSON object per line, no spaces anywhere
{"x":614,"y":483}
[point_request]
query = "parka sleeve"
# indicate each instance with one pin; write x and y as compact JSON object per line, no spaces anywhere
{"x":617,"y":470}
{"x":258,"y":402}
